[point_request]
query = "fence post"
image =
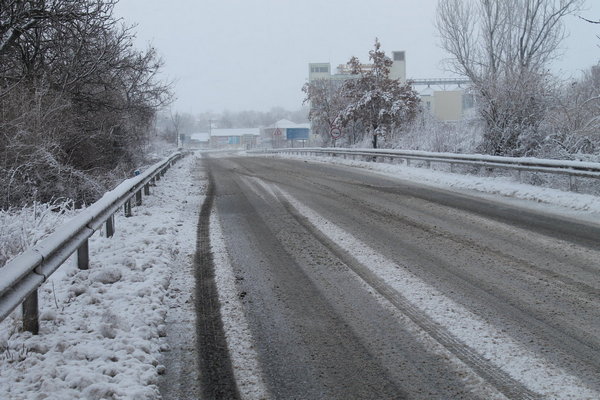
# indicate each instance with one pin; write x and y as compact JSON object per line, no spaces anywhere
{"x":30,"y":313}
{"x":83,"y":255}
{"x":110,"y":226}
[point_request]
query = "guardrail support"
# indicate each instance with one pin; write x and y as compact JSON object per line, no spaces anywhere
{"x":110,"y":226}
{"x":83,"y":255}
{"x":572,"y":183}
{"x":147,"y":189}
{"x":30,"y":313}
{"x":127,"y":208}
{"x":138,"y":198}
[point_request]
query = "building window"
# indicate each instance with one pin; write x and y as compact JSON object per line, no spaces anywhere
{"x":319,"y":69}
{"x":468,"y":101}
{"x":398,"y":55}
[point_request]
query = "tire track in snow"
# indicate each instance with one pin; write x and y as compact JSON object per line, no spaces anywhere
{"x":216,"y":372}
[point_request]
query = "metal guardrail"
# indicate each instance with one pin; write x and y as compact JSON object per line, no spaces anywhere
{"x":529,"y":164}
{"x":23,"y":275}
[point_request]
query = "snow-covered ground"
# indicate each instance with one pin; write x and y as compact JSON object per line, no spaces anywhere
{"x":570,"y":204}
{"x":101,"y":330}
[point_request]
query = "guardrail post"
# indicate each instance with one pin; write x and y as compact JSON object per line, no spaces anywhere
{"x":147,"y":189}
{"x":408,"y":162}
{"x":452,"y":167}
{"x":110,"y":226}
{"x":127,"y":208}
{"x":83,"y":256}
{"x":428,"y":164}
{"x":572,"y":183}
{"x":30,"y":313}
{"x":138,"y":198}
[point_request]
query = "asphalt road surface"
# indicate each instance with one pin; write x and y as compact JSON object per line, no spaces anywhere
{"x":311,"y":243}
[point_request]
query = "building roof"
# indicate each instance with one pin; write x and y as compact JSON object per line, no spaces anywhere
{"x":235,"y":132}
{"x":200,"y":136}
{"x":285,"y":123}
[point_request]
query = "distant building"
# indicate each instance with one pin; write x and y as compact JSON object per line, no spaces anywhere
{"x":238,"y":138}
{"x":285,"y":133}
{"x":323,"y":70}
{"x":444,"y":104}
{"x":199,"y":140}
{"x":446,"y":99}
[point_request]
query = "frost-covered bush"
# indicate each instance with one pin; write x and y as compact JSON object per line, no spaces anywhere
{"x":21,"y":228}
{"x":430,"y":134}
{"x":573,"y":125}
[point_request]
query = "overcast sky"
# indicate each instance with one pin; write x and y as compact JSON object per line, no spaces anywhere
{"x":253,"y":54}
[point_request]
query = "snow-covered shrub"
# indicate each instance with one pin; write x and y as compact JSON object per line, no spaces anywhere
{"x":23,"y":227}
{"x":430,"y":134}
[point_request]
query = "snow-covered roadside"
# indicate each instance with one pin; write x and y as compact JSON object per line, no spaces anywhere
{"x":492,"y":344}
{"x":101,"y":330}
{"x":582,"y":205}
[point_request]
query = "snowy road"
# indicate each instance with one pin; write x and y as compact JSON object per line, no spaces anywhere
{"x":358,"y":286}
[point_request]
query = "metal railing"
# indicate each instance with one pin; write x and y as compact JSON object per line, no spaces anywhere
{"x":22,"y":276}
{"x":529,"y":164}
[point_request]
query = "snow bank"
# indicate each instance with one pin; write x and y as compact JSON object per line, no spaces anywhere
{"x":100,"y":329}
{"x":503,"y":186}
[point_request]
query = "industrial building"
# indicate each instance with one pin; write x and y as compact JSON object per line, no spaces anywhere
{"x":446,"y":99}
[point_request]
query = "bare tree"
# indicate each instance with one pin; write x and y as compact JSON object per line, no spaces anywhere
{"x":504,"y":46}
{"x":77,"y":99}
{"x":324,"y":96}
